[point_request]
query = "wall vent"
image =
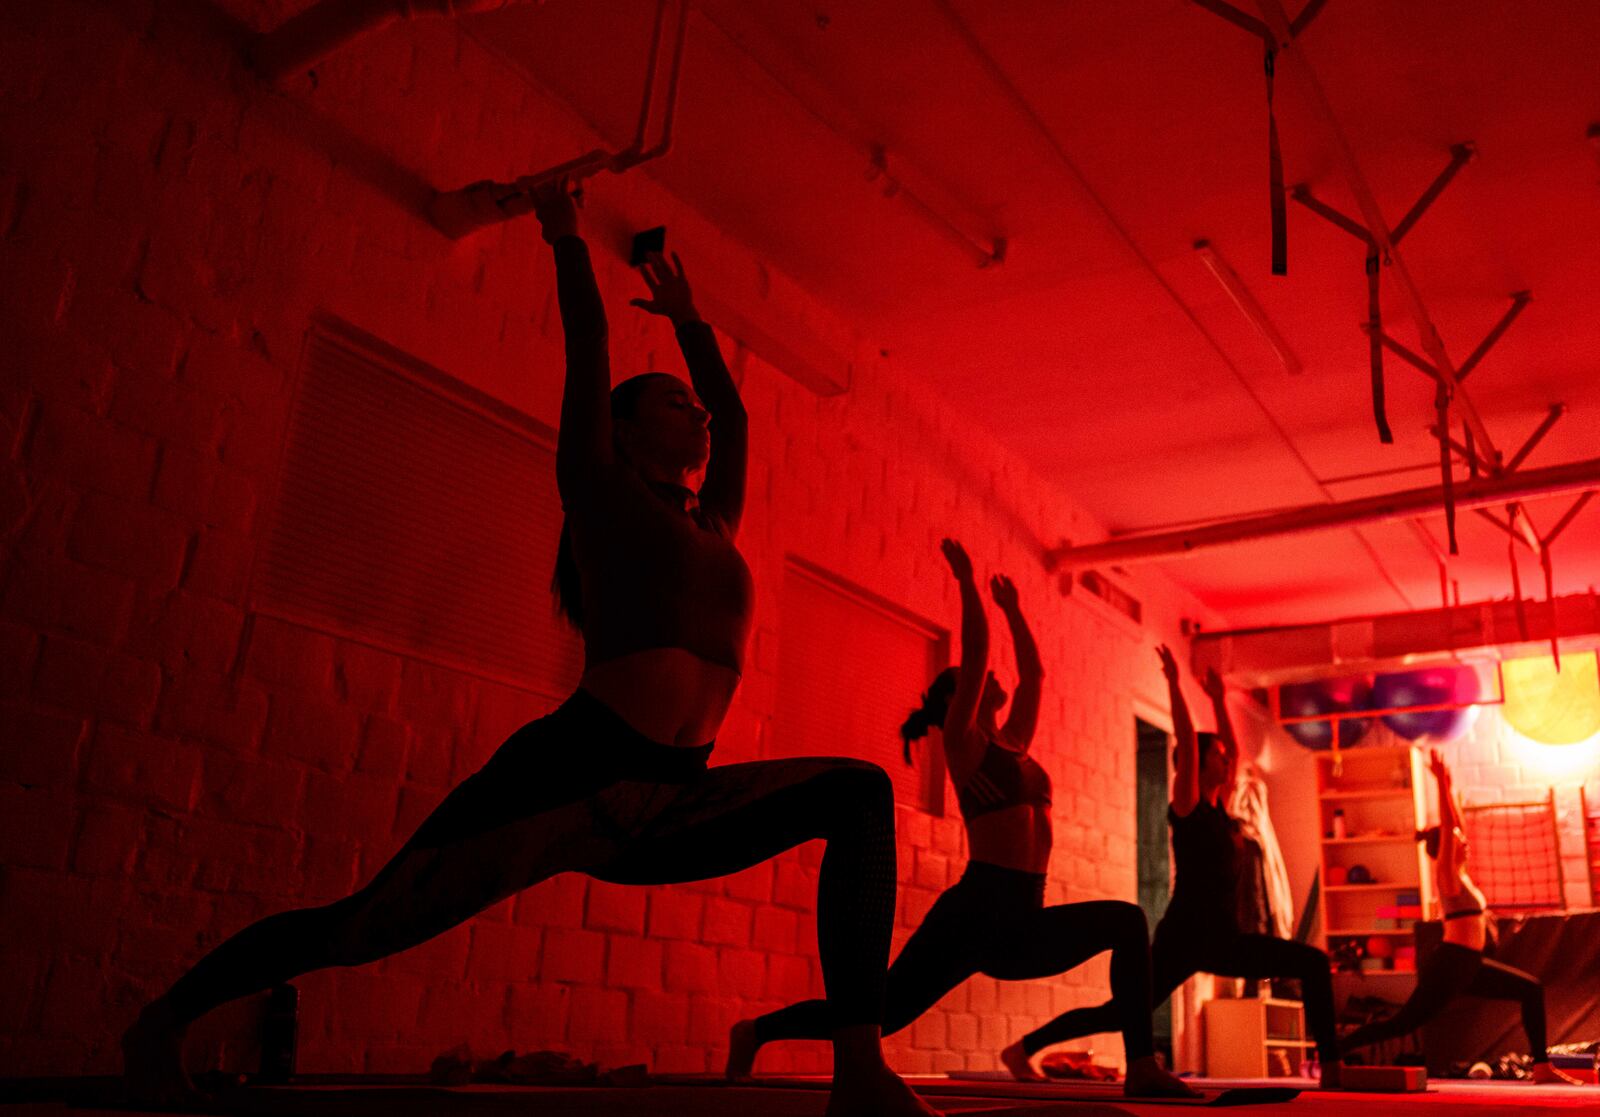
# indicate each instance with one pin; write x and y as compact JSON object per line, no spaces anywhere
{"x":417,"y":514}
{"x":1097,"y":585}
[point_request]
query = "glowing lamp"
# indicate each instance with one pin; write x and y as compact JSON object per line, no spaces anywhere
{"x":1549,"y":706}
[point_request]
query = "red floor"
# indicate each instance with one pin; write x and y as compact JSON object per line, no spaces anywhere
{"x":805,"y":1098}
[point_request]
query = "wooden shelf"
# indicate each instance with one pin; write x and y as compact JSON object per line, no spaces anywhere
{"x":1306,"y":1043}
{"x":1369,"y":793}
{"x":1371,"y":839}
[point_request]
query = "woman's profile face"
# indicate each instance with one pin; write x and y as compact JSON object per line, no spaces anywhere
{"x":667,"y":428}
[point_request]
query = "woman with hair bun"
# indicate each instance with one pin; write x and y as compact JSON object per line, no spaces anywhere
{"x":993,"y":920}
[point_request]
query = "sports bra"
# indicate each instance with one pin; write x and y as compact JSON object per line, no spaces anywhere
{"x":1005,"y":778}
{"x":658,"y":572}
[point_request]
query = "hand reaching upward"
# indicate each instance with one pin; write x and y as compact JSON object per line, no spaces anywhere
{"x":670,"y":295}
{"x":956,"y":555}
{"x":556,"y":209}
{"x":1004,"y":592}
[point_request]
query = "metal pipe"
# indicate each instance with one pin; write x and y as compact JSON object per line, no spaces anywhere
{"x":458,"y":212}
{"x":1247,"y":304}
{"x":307,"y":38}
{"x":1550,"y":481}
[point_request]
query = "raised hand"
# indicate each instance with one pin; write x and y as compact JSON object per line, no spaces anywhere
{"x":1437,"y":765}
{"x":956,"y":555}
{"x":556,"y":209}
{"x":670,"y":295}
{"x":1213,"y":686}
{"x":1004,"y":592}
{"x":1169,"y":665}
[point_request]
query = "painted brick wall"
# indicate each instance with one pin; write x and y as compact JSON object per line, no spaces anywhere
{"x":173,"y":770}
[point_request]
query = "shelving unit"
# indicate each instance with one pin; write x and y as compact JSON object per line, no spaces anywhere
{"x":1254,"y":1038}
{"x":1382,"y":791}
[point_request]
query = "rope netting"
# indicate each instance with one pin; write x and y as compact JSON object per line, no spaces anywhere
{"x":1515,"y":856}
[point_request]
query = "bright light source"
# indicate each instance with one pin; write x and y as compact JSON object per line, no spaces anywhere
{"x":1551,"y":707}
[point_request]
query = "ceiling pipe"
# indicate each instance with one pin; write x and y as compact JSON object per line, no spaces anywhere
{"x":304,"y":40}
{"x":459,"y":212}
{"x":1573,"y":477}
{"x":1248,"y":306}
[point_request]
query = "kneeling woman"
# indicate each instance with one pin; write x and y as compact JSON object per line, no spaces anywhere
{"x":993,"y":921}
{"x":1458,"y":967}
{"x":615,"y":783}
{"x":1199,"y":932}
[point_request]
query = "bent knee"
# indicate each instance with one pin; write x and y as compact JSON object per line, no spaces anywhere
{"x":860,"y":782}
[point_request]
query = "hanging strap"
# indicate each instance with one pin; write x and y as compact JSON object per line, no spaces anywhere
{"x":1441,"y":404}
{"x":1550,"y":598}
{"x":1276,"y":196}
{"x":1471,"y":447}
{"x":1375,"y":349}
{"x":1516,"y":591}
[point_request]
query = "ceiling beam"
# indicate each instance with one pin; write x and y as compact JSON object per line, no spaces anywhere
{"x":1573,"y":477}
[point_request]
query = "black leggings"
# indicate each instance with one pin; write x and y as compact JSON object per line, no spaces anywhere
{"x":993,"y":922}
{"x":1452,"y":971}
{"x":1181,"y":950}
{"x":582,"y":791}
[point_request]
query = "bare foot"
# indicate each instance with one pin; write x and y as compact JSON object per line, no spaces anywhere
{"x":742,"y":1049}
{"x":1147,"y":1078}
{"x":152,"y":1059}
{"x":878,"y":1094}
{"x":1020,"y":1064}
{"x":1547,"y":1075}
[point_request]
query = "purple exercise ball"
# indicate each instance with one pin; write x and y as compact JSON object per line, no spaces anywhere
{"x":1324,"y":696}
{"x":1430,"y":686}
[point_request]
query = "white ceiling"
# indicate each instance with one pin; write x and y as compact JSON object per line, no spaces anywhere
{"x":1102,"y":350}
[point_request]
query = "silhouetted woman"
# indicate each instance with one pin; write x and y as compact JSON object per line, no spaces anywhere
{"x":993,"y":920}
{"x":1458,"y":968}
{"x":615,"y":782}
{"x":1199,"y":932}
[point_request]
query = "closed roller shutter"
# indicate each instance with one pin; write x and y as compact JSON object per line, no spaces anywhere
{"x":851,"y":666}
{"x":416,"y":514}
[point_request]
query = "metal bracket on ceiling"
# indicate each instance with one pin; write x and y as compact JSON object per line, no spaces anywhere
{"x":459,"y":212}
{"x":1460,"y":155}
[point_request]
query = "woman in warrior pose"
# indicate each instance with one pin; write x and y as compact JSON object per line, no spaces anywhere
{"x":1458,"y":967}
{"x":993,"y":921}
{"x":1199,"y":932}
{"x":615,"y":782}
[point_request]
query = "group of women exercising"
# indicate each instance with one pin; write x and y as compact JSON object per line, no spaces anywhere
{"x":616,"y":782}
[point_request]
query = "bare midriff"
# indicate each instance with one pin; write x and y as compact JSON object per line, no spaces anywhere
{"x":670,"y":695}
{"x":1470,"y":931}
{"x":1013,"y":837}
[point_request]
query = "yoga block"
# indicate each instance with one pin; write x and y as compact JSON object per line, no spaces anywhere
{"x":1384,"y":1080}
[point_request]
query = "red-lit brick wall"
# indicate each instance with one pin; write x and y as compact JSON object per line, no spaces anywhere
{"x":171,"y":771}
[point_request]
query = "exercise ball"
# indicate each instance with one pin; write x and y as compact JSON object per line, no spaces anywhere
{"x":1324,"y":696}
{"x":1380,"y":946}
{"x":1430,"y":686}
{"x":1358,"y":874}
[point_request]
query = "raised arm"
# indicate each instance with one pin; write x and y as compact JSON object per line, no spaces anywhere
{"x":1450,"y":851}
{"x":963,"y":751}
{"x":722,"y":493}
{"x":583,"y":444}
{"x":1186,"y":780}
{"x":1024,"y":716}
{"x":1225,"y":736}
